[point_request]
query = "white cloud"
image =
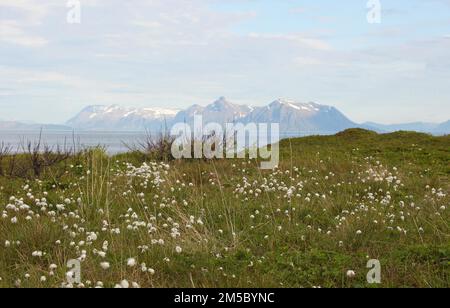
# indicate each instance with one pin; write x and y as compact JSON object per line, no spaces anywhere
{"x":27,"y":15}
{"x":33,"y":8}
{"x":21,"y":77}
{"x":12,"y":32}
{"x":306,"y":41}
{"x":304,"y":61}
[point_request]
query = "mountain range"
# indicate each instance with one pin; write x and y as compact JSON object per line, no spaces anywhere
{"x":295,"y":118}
{"x":421,"y":127}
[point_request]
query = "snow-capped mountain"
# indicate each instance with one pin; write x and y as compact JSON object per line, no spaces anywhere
{"x":221,"y":111}
{"x":120,"y":118}
{"x":295,"y":118}
{"x":301,"y":118}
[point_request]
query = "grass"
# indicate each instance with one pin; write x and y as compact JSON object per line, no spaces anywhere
{"x":334,"y":203}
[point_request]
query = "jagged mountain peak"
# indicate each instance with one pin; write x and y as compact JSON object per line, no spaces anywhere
{"x":219,"y":111}
{"x":221,"y":104}
{"x":301,"y":118}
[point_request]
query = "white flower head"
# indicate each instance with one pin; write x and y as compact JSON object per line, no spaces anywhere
{"x":351,"y":274}
{"x":131,"y":262}
{"x":105,"y":265}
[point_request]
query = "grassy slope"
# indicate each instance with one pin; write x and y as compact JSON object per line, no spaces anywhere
{"x":262,"y":233}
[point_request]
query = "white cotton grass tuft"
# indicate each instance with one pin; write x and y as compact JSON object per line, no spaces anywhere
{"x":131,"y":262}
{"x":351,"y":274}
{"x":37,"y":254}
{"x":105,"y":265}
{"x":124,"y":284}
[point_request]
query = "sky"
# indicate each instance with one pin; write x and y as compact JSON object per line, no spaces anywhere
{"x":176,"y":53}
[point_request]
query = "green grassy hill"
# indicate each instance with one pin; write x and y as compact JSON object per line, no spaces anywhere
{"x":334,"y":203}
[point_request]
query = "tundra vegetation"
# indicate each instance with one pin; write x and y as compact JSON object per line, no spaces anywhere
{"x":142,"y":219}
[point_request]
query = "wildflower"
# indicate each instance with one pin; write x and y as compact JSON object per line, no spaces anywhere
{"x":178,"y":249}
{"x":351,"y":274}
{"x":105,"y":246}
{"x":131,"y":262}
{"x":37,"y":254}
{"x":92,"y":237}
{"x":105,"y":265}
{"x":359,"y":232}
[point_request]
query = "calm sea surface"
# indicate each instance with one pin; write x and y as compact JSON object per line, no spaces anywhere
{"x":114,"y":142}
